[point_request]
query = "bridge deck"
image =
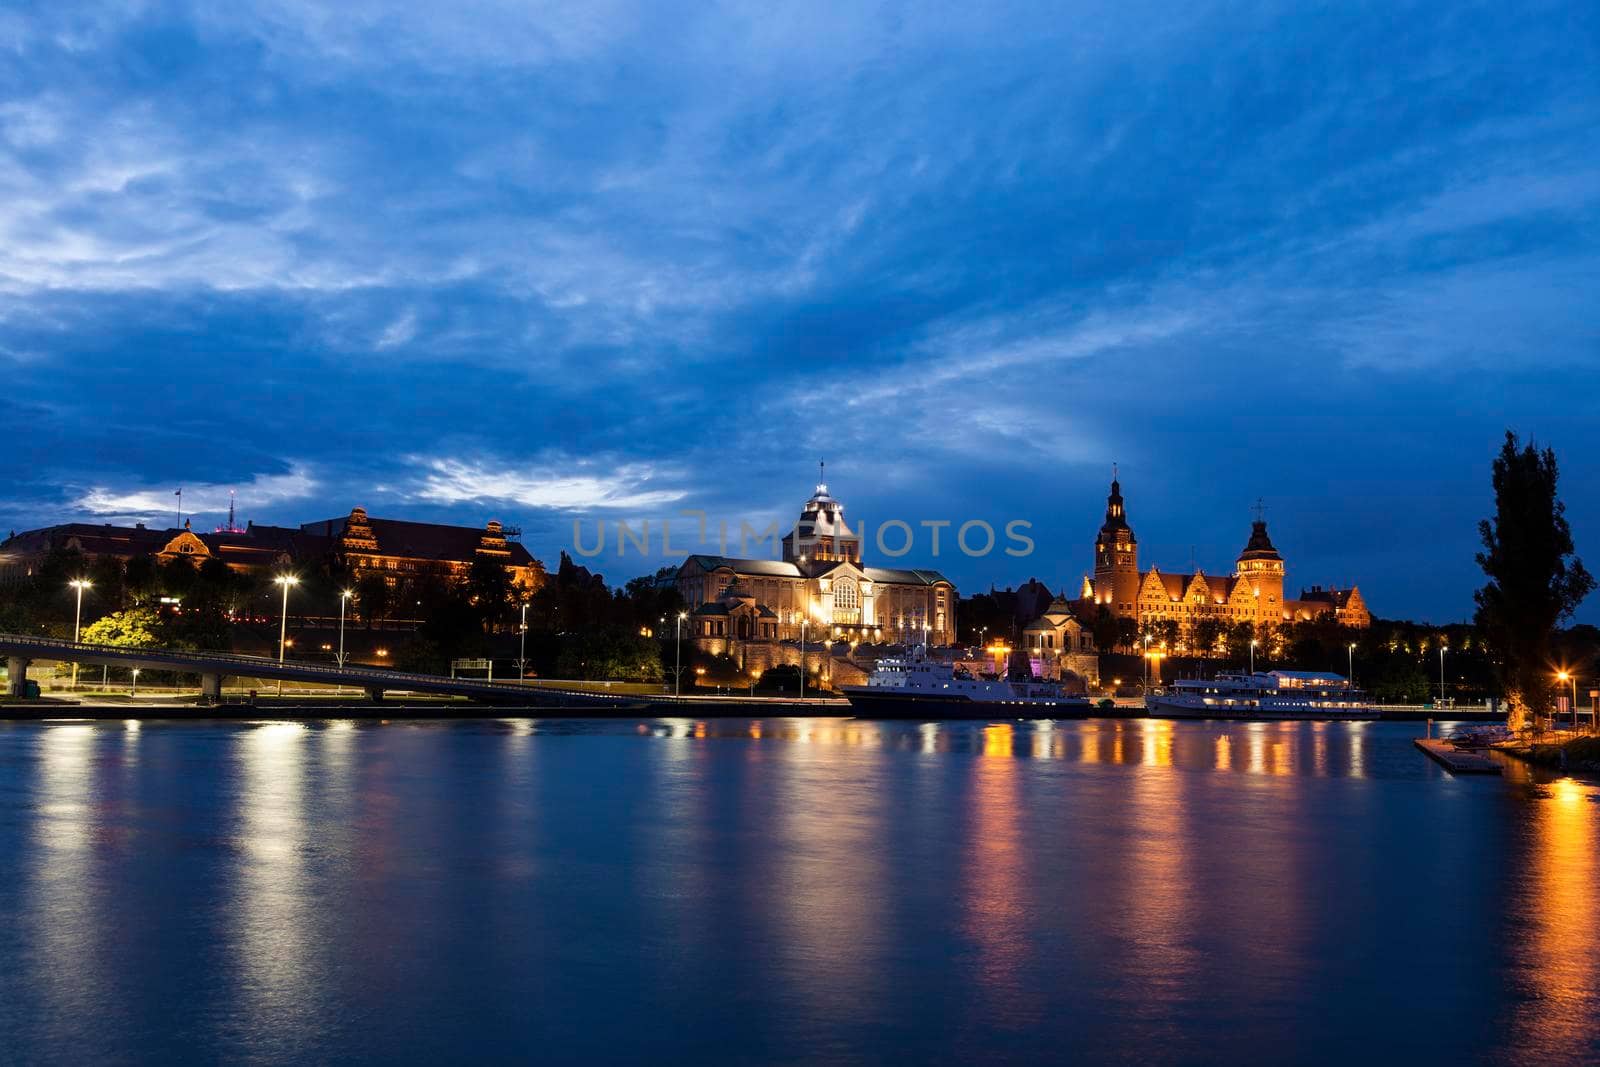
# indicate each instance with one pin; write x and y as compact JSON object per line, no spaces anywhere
{"x":228,"y":665}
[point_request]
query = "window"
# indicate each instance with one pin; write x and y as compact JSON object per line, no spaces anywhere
{"x":846,"y":602}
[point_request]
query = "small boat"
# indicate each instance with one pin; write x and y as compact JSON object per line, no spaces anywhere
{"x":919,"y":687}
{"x":1264,"y":695}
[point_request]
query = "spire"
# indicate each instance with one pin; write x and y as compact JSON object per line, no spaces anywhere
{"x":1116,"y":515}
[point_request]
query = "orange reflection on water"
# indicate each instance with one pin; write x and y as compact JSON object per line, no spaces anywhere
{"x":996,"y":913}
{"x":1158,"y":743}
{"x":1224,"y":752}
{"x":1089,"y":744}
{"x":1558,"y":952}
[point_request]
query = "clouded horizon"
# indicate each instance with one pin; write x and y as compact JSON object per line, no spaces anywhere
{"x":618,"y":260}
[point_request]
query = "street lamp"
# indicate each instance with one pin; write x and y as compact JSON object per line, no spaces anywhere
{"x":1442,"y":650}
{"x":522,"y":648}
{"x":135,"y":690}
{"x":1351,"y":656}
{"x":1253,"y":643}
{"x":803,"y":622}
{"x":344,"y":598}
{"x":285,"y":580}
{"x":677,"y":670}
{"x":80,"y":584}
{"x":1565,"y":676}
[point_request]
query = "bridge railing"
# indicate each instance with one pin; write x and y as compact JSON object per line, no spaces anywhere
{"x":232,"y":663}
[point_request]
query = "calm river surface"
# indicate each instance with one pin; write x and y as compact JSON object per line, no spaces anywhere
{"x":786,"y":890}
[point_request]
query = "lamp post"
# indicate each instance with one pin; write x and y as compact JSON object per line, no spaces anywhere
{"x":1351,"y":656}
{"x":1565,"y":676}
{"x":284,"y":580}
{"x":677,"y":670}
{"x":522,"y":647}
{"x":344,"y":598}
{"x":1442,"y":650}
{"x":803,"y":622}
{"x":1145,"y":686}
{"x":133,"y":692}
{"x":1253,"y":644}
{"x":80,"y":584}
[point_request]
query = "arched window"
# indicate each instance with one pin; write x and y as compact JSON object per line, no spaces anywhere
{"x":846,"y":602}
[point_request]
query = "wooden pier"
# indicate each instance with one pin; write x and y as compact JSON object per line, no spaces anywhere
{"x":1455,"y":760}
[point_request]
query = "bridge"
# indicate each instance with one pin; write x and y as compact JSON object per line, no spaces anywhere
{"x":213,"y":667}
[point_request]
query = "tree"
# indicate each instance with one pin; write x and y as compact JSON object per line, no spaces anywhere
{"x":489,"y":590}
{"x":1535,"y":580}
{"x":1207,"y":633}
{"x":1167,"y":632}
{"x":1106,"y":630}
{"x":1127,"y":633}
{"x":1240,"y":634}
{"x":134,"y":628}
{"x":373,"y":597}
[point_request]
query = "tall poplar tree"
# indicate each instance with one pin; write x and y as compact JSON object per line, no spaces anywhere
{"x":1535,"y":580}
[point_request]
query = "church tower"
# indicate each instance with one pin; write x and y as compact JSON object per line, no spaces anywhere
{"x":1116,"y":558}
{"x":821,"y":535}
{"x":1261,"y":566}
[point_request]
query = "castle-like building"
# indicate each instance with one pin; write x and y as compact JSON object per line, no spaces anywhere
{"x":1253,"y":593}
{"x":819,"y":585}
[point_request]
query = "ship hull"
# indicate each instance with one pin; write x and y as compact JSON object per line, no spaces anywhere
{"x":885,"y":703}
{"x":1162,"y":708}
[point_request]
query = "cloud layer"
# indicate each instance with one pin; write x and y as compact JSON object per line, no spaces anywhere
{"x":550,"y":261}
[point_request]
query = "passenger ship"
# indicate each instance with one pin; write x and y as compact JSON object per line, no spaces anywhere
{"x":1264,"y":695}
{"x":916,"y":687}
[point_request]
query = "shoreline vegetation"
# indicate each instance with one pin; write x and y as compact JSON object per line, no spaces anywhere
{"x":1578,"y":754}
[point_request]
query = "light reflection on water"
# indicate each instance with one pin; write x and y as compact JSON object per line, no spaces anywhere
{"x":833,"y":890}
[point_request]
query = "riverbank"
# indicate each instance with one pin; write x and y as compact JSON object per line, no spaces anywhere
{"x":1579,"y":755}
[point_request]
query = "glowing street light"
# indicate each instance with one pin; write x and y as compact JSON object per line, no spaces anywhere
{"x":677,"y":670}
{"x":80,"y":584}
{"x":522,"y":648}
{"x":803,"y":622}
{"x":286,"y":581}
{"x":1253,"y":643}
{"x":1566,"y":676}
{"x":1442,"y":650}
{"x":134,"y":691}
{"x":1351,"y":656}
{"x":344,"y":598}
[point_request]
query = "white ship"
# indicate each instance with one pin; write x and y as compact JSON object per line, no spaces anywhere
{"x":1264,"y":695}
{"x":917,"y":687}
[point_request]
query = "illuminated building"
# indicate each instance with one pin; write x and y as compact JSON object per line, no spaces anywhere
{"x":1252,"y":593}
{"x":1059,"y":645}
{"x":819,"y":583}
{"x":393,"y":548}
{"x":398,"y":549}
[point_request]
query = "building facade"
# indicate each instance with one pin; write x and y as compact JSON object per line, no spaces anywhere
{"x":400,"y":550}
{"x":391,"y":547}
{"x":1253,"y":592}
{"x":1059,"y":646}
{"x":819,"y":590}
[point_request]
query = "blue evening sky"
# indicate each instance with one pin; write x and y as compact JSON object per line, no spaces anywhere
{"x":616,"y":260}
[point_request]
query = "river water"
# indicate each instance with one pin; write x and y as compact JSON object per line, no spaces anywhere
{"x":786,"y":890}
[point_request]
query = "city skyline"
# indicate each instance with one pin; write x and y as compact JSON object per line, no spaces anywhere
{"x":527,"y":264}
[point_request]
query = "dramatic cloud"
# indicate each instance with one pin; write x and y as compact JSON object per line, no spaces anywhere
{"x":161,"y":503}
{"x":630,"y":256}
{"x":456,"y":482}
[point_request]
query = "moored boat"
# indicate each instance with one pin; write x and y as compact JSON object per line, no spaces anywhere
{"x":918,"y":687}
{"x":1263,"y":695}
